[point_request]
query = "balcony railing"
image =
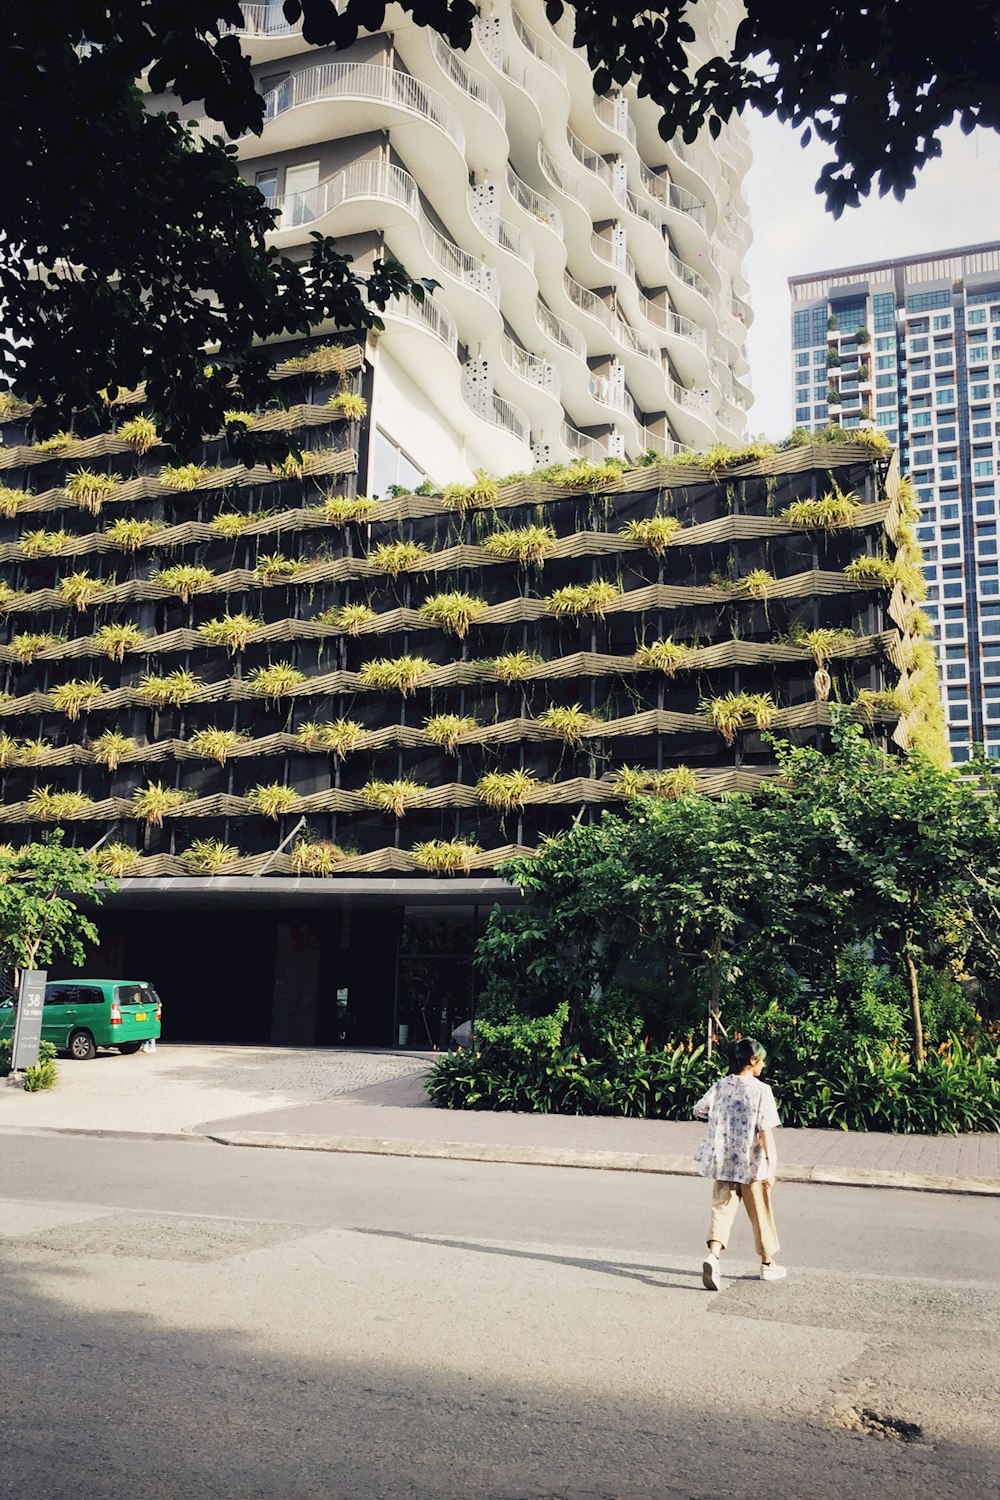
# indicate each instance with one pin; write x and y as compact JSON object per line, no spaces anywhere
{"x":533,"y":203}
{"x":666,"y":446}
{"x":671,"y":322}
{"x":560,"y":332}
{"x":659,"y":187}
{"x":604,"y":390}
{"x":265,"y":19}
{"x":364,"y":81}
{"x":530,"y":367}
{"x":536,"y":46}
{"x":582,"y":446}
{"x":467,"y":79}
{"x":427,"y":315}
{"x":613,"y":112}
{"x":501,"y":413}
{"x":613,"y":254}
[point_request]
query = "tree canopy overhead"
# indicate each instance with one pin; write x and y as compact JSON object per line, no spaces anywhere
{"x":126,"y":249}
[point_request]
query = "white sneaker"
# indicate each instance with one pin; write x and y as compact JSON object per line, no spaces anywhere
{"x":711,"y":1275}
{"x":773,"y":1272}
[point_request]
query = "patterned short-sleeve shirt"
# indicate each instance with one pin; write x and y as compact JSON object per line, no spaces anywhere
{"x":736,"y":1108}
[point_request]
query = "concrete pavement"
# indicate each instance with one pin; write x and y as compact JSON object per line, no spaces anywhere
{"x":374,"y":1103}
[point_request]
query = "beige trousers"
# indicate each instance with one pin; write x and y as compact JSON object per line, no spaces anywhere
{"x":756,"y":1198}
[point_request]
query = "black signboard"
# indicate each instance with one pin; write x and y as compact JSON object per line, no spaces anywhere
{"x":28,"y":1020}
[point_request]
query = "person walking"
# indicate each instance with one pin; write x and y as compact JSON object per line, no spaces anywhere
{"x":739,"y":1154}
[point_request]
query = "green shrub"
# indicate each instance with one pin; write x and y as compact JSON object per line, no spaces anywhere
{"x":42,"y":1075}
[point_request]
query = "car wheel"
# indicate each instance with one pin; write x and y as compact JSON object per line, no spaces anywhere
{"x":81,"y":1046}
{"x":127,"y":1048}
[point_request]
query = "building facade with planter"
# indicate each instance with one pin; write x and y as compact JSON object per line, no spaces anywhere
{"x":304,"y":726}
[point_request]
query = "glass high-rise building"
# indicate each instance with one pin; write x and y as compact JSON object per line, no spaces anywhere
{"x":912,"y":347}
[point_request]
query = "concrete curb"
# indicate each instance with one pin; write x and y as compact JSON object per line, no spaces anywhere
{"x":604,"y":1161}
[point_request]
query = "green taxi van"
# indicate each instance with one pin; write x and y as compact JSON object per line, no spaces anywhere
{"x":81,"y":1015}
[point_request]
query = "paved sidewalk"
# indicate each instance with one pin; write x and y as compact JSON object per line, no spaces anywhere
{"x":374,"y":1102}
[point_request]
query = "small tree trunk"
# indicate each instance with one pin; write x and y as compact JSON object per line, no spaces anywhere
{"x":713,"y":1004}
{"x":918,"y":1021}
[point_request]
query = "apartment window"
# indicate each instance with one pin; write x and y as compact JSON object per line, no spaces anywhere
{"x":301,"y":182}
{"x":947,"y":435}
{"x":884,"y":312}
{"x":944,"y":395}
{"x":266,"y":184}
{"x":819,"y":356}
{"x":949,"y":512}
{"x":920,"y":382}
{"x":802,"y":414}
{"x":920,"y":419}
{"x":885,"y":382}
{"x":885,"y":362}
{"x":982,"y":429}
{"x":390,"y":465}
{"x":956,"y":672}
{"x":975,"y":315}
{"x":943,"y":320}
{"x":802,"y":359}
{"x":982,"y":468}
{"x":919,"y":346}
{"x":980,"y":393}
{"x":800,"y":329}
{"x":951,"y":549}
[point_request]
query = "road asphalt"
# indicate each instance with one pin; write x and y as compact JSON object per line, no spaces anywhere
{"x":374,"y":1103}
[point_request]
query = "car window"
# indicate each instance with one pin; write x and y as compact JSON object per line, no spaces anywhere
{"x":89,"y":994}
{"x":134,"y":994}
{"x":61,"y":994}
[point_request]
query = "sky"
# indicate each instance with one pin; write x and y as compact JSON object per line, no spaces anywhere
{"x":956,"y":202}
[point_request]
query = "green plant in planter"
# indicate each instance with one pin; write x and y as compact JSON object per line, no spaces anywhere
{"x":26,"y":646}
{"x":154,"y":802}
{"x":872,"y":703}
{"x":349,"y":618}
{"x":338,"y":738}
{"x":731,"y":712}
{"x":759,"y":583}
{"x":116,"y":860}
{"x":583,"y":598}
{"x":391,"y":796}
{"x":453,"y":612}
{"x":316,"y":856}
{"x":90,"y":489}
{"x":483,"y":492}
{"x":276,"y":680}
{"x":526,"y":545}
{"x":832,"y":358}
{"x":582,"y":474}
{"x":239,"y":418}
{"x":515,"y":666}
{"x":273,"y":800}
{"x":235,"y":632}
{"x":184,"y":579}
{"x":185,"y":476}
{"x":11,"y":408}
{"x":397,"y":557}
{"x":862,"y":336}
{"x":8,"y":596}
{"x":80,"y":589}
{"x":274,"y":567}
{"x":115,"y":640}
{"x":11,"y":501}
{"x":832,"y":509}
{"x":130,"y":534}
{"x":217,"y":744}
{"x":140,"y":433}
{"x":665,"y":656}
{"x":349,"y":404}
{"x":403,"y":673}
{"x":47,"y":806}
{"x":822,"y":643}
{"x":872,"y":570}
{"x":678,"y":781}
{"x":569,"y":724}
{"x":10,"y":751}
{"x":209,"y":857}
{"x":169,"y":689}
{"x":57,"y":442}
{"x":231,"y":523}
{"x":72,"y":698}
{"x":320,"y":358}
{"x":339,"y":510}
{"x":33,"y":752}
{"x":446,"y":856}
{"x":447,"y":729}
{"x":506,"y":790}
{"x":292,"y":466}
{"x":44,"y":543}
{"x":656,"y":533}
{"x":111,"y":748}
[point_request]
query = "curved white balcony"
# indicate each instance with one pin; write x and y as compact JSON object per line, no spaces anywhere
{"x":374,"y":194}
{"x":473,"y":97}
{"x":564,"y":335}
{"x":667,"y":447}
{"x":265,"y":34}
{"x":521,"y":77}
{"x":582,"y":446}
{"x":512,"y":429}
{"x":428,"y":315}
{"x":540,"y":49}
{"x":535,"y":204}
{"x":608,"y":394}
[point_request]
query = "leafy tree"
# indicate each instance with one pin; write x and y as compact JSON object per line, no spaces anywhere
{"x":889,"y":848}
{"x":128,"y":247}
{"x":41,"y":887}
